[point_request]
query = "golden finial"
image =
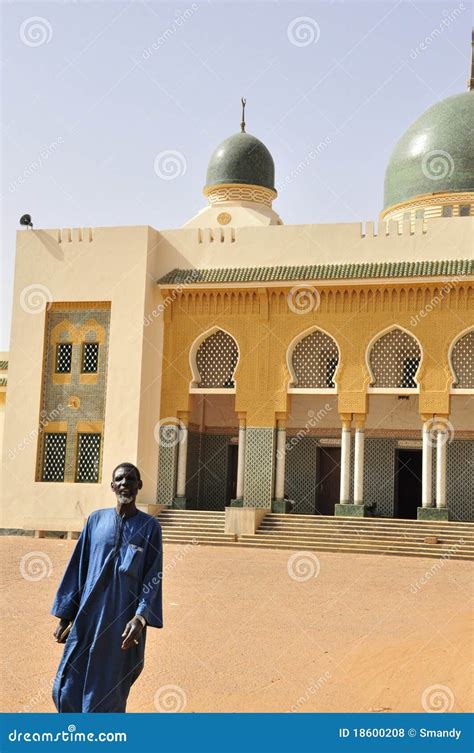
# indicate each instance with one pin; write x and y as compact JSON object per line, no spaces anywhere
{"x":242,"y":123}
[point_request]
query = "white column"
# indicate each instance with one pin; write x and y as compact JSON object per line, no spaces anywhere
{"x":345,"y":462}
{"x":427,"y":465}
{"x":182,"y":458}
{"x":441,"y":441}
{"x":280,"y":461}
{"x":359,"y":465}
{"x":241,"y":460}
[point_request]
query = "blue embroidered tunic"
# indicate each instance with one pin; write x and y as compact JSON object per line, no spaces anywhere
{"x":115,"y":572}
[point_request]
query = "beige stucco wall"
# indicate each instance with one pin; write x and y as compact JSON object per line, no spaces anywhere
{"x":111,"y":267}
{"x":440,"y":238}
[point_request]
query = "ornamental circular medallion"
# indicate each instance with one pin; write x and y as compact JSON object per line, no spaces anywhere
{"x":74,"y":402}
{"x":224,"y":218}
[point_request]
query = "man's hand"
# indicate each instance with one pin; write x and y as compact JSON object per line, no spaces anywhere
{"x":131,"y":632}
{"x":59,"y":632}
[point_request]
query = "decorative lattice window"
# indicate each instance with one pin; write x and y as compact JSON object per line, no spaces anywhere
{"x":63,"y":358}
{"x":90,"y":358}
{"x":464,"y":210}
{"x":54,"y":456}
{"x":216,"y":359}
{"x":462,"y":359}
{"x":88,"y":456}
{"x":315,"y":360}
{"x":394,"y":360}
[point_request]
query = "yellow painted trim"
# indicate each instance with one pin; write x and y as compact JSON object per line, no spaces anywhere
{"x":61,"y":378}
{"x":88,"y":377}
{"x":251,"y":186}
{"x":55,"y":427}
{"x":430,"y":199}
{"x":67,"y":305}
{"x":92,"y":324}
{"x":89,"y":427}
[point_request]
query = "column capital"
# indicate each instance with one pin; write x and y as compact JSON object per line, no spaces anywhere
{"x":183,"y":416}
{"x":346,"y":420}
{"x":360,"y":419}
{"x":425,"y":417}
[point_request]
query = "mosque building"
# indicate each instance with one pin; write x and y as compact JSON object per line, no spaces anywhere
{"x":245,"y":363}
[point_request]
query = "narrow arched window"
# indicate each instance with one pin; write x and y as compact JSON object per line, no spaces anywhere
{"x":394,"y":360}
{"x":216,"y":359}
{"x":462,"y":362}
{"x":314,"y":360}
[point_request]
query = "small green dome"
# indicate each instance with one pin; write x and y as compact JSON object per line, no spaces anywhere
{"x":436,"y":154}
{"x":241,"y":158}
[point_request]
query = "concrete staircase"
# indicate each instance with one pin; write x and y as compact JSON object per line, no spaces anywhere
{"x":198,"y":526}
{"x":320,"y":533}
{"x":364,"y":535}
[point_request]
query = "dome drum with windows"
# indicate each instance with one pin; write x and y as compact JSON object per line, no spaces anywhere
{"x":431,"y":170}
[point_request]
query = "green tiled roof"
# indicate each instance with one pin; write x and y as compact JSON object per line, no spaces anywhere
{"x":3,"y":365}
{"x":453,"y":267}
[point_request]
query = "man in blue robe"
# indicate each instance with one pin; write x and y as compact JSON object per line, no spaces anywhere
{"x":110,"y":592}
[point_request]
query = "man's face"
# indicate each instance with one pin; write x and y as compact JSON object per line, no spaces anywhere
{"x":125,"y":484}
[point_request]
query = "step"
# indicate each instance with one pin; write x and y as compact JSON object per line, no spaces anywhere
{"x":192,"y":524}
{"x":290,"y":517}
{"x":369,"y":537}
{"x":355,"y":548}
{"x":338,"y":550}
{"x":343,"y":541}
{"x":199,"y":540}
{"x":419,"y":531}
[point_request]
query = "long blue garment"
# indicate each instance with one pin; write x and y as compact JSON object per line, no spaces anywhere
{"x":115,"y":572}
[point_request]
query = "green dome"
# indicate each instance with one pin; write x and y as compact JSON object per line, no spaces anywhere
{"x":436,"y":154}
{"x":241,"y":158}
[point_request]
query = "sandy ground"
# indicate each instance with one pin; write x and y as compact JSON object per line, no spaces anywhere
{"x":367,"y":633}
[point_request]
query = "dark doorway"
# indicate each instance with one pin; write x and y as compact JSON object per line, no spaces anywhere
{"x":407,"y":483}
{"x":328,"y":480}
{"x":231,"y":483}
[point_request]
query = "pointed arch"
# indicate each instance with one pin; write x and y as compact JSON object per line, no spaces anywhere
{"x":213,"y":358}
{"x":393,"y":359}
{"x":313,"y":361}
{"x":461,"y":362}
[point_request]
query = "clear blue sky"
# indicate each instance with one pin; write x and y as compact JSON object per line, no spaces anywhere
{"x":93,"y":92}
